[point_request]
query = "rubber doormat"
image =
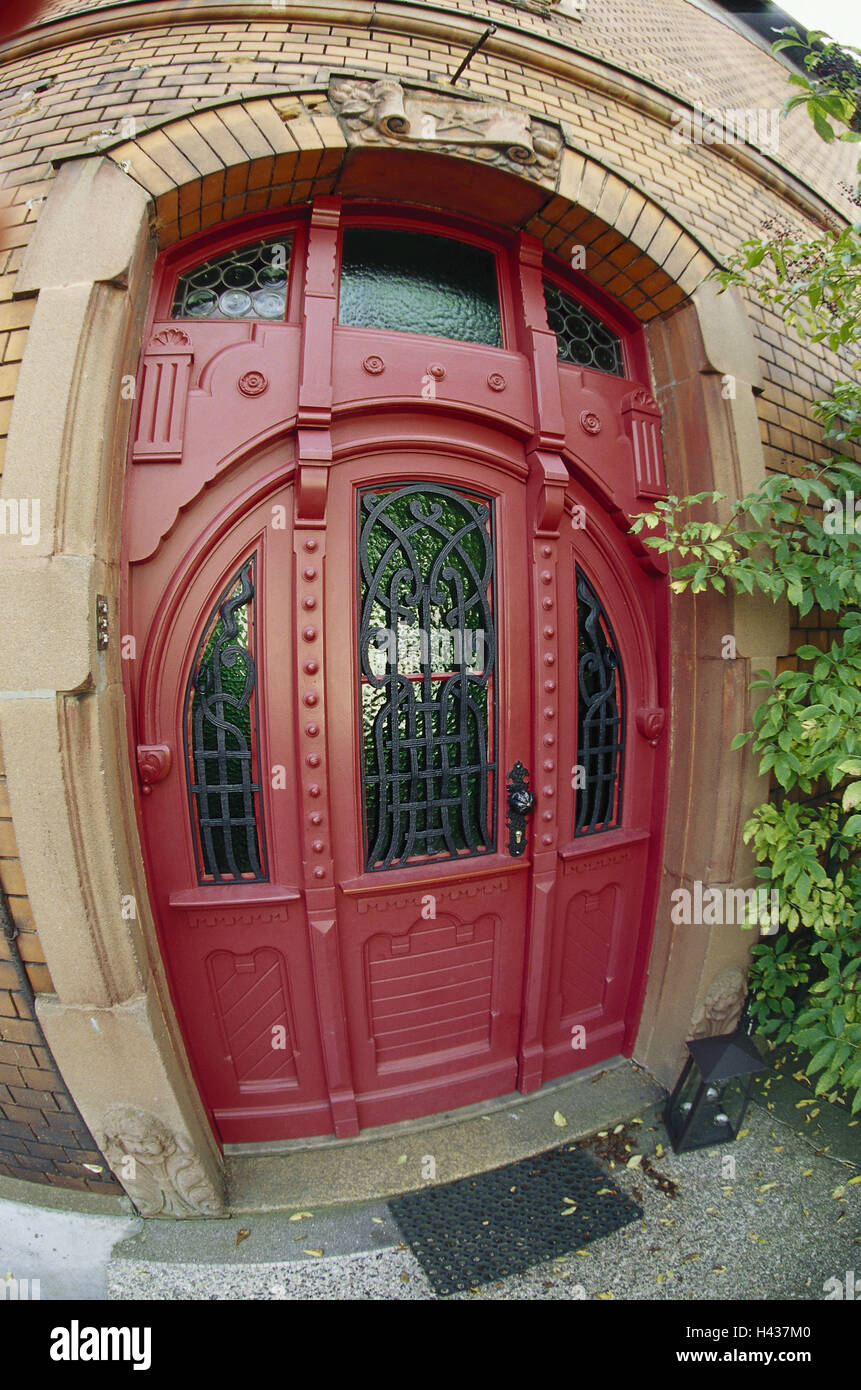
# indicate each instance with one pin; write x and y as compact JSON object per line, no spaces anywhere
{"x":499,"y":1223}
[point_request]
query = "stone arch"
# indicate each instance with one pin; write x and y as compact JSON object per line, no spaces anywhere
{"x":111,"y":1023}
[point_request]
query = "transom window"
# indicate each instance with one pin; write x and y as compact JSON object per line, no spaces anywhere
{"x":581,"y":337}
{"x":249,"y":282}
{"x":416,"y":283}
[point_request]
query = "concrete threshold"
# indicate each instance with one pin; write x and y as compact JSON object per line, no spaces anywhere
{"x":391,"y":1159}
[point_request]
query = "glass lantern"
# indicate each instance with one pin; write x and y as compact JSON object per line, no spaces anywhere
{"x":712,"y":1094}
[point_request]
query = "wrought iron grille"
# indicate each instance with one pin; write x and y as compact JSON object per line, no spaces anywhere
{"x":427,"y":695}
{"x":222,"y":740}
{"x":582,"y":338}
{"x":600,"y":716}
{"x":249,"y":282}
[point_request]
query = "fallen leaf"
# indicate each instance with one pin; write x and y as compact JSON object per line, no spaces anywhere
{"x":303,"y":1216}
{"x":377,"y":1219}
{"x":570,"y":1201}
{"x":240,"y":1236}
{"x":606,"y":1192}
{"x":800,"y":1104}
{"x":696,"y":1256}
{"x":587,"y":1253}
{"x":742,"y":1133}
{"x":659,"y":1151}
{"x":405,"y":1278}
{"x":808,"y":1173}
{"x":402,"y":1159}
{"x":852,"y":1181}
{"x":569,"y":1211}
{"x":312,"y":1252}
{"x":634,"y":1161}
{"x":838,"y":1193}
{"x":559,"y":1119}
{"x":618,"y":1129}
{"x":767,"y":1186}
{"x":718,"y":1269}
{"x":604,"y":1295}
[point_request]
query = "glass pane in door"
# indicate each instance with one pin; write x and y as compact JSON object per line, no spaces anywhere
{"x":427,"y":643}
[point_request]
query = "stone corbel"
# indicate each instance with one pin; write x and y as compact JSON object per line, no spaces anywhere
{"x":641,"y":421}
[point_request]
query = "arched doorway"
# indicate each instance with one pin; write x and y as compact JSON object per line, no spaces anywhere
{"x":399,"y":678}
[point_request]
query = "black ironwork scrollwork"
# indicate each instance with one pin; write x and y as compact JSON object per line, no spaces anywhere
{"x":427,"y":643}
{"x":221,"y":740}
{"x":600,"y":716}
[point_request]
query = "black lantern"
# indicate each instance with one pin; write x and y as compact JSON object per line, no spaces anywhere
{"x":713,"y":1091}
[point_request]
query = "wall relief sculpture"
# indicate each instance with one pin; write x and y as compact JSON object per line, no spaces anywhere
{"x":389,"y":112}
{"x":721,"y":1008}
{"x":157,"y":1168}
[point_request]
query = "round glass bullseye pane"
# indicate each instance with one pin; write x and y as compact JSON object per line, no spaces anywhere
{"x":238,"y":276}
{"x":200,"y":304}
{"x":234,"y":303}
{"x":272,"y":277}
{"x":268,"y":304}
{"x":207,"y":277}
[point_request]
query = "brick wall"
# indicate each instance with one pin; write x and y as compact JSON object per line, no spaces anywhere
{"x":78,"y":81}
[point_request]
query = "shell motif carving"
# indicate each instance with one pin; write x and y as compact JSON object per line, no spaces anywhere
{"x":650,"y":723}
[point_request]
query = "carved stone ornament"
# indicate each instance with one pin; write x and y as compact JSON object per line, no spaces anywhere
{"x":389,"y":112}
{"x":154,"y":761}
{"x":158,"y":1169}
{"x":721,"y":1009}
{"x":374,"y":365}
{"x":590,"y":422}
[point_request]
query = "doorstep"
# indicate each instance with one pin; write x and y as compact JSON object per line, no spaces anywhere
{"x":405,"y":1157}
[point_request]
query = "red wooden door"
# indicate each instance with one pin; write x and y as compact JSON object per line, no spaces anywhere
{"x":363,"y":617}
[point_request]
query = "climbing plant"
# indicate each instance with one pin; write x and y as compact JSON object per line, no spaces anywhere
{"x":799,"y":538}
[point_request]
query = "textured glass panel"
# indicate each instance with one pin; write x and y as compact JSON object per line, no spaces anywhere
{"x":600,"y":715}
{"x":222,"y":742}
{"x":419,"y":284}
{"x":248,"y":283}
{"x":428,"y":651}
{"x":581,"y":338}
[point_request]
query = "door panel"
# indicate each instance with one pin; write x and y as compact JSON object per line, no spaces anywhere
{"x":432,"y":936}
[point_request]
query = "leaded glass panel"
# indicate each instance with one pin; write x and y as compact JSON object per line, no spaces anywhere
{"x":600,"y":716}
{"x":581,"y":337}
{"x":249,"y":282}
{"x":415,"y":283}
{"x":221,"y":740}
{"x":427,"y":642}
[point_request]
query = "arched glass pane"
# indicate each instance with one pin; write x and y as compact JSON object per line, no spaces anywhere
{"x":415,"y":283}
{"x":600,"y":716}
{"x":222,"y":742}
{"x":427,"y":649}
{"x":249,"y":282}
{"x":582,"y":338}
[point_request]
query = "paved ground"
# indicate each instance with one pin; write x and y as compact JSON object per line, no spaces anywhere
{"x":774,"y":1216}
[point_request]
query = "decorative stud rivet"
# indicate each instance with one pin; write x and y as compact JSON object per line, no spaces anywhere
{"x":549,"y":712}
{"x":313,"y":760}
{"x":318,"y":847}
{"x":253,"y":384}
{"x":436,"y":369}
{"x":312,"y":730}
{"x":546,"y":551}
{"x":546,"y":815}
{"x":309,"y":601}
{"x":549,"y":765}
{"x":549,"y":659}
{"x":550,"y":686}
{"x":310,"y":573}
{"x":547,"y":839}
{"x":310,"y":698}
{"x":549,"y":791}
{"x":315,"y":818}
{"x":311,"y":546}
{"x":549,"y":740}
{"x":547,"y":603}
{"x":314,"y":790}
{"x":550,"y":632}
{"x":374,"y":365}
{"x":311,"y":668}
{"x":319,"y":873}
{"x":546,"y":577}
{"x":309,"y":634}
